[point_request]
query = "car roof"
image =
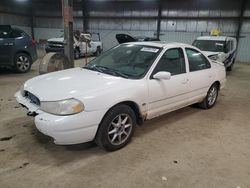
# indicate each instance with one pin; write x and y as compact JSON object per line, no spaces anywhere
{"x":161,"y":44}
{"x":218,"y":38}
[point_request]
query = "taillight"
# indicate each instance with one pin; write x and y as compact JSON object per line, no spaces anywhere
{"x":33,"y":42}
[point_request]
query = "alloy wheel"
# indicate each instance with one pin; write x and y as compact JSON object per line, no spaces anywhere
{"x":23,"y":63}
{"x":119,"y":129}
{"x":212,"y":96}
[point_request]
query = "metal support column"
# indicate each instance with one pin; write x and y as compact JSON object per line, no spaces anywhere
{"x":241,"y":18}
{"x":159,"y":19}
{"x":67,"y":10}
{"x":32,"y":19}
{"x":84,"y":16}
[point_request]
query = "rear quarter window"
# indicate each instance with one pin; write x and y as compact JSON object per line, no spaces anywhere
{"x":17,"y":33}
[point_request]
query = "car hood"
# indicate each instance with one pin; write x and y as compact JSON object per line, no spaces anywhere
{"x":76,"y":82}
{"x":56,"y":39}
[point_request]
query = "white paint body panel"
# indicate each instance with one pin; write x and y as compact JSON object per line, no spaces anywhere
{"x":99,"y":92}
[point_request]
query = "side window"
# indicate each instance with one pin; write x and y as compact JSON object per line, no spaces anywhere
{"x":16,"y":33}
{"x":197,"y":61}
{"x":5,"y":34}
{"x":172,"y":61}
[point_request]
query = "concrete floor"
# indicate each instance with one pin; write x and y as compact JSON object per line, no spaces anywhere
{"x":187,"y":148}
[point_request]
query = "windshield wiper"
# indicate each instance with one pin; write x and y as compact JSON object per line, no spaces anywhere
{"x":94,"y":68}
{"x":112,"y":71}
{"x":102,"y":69}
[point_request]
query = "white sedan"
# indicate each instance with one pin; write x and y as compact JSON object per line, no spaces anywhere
{"x":131,"y":83}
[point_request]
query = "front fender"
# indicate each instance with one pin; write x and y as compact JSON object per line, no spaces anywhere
{"x":108,"y":98}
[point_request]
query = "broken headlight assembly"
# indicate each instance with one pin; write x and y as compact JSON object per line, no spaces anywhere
{"x":214,"y":57}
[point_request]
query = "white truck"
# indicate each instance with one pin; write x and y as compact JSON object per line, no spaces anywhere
{"x":218,"y":48}
{"x":57,"y":45}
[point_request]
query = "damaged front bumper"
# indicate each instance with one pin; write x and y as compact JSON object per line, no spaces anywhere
{"x":65,"y":130}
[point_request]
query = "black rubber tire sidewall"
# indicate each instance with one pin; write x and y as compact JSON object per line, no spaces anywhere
{"x":16,"y":58}
{"x":204,"y":104}
{"x":101,"y":138}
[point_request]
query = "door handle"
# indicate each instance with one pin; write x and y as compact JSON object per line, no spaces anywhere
{"x":185,"y":81}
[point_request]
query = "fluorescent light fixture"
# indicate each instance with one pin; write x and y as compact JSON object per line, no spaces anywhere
{"x":21,"y":1}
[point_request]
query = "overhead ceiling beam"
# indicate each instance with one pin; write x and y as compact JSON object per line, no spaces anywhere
{"x":167,"y":17}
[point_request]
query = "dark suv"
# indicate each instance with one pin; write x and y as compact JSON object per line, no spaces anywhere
{"x":17,"y":49}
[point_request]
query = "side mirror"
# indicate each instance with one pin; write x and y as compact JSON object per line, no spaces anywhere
{"x":162,"y":75}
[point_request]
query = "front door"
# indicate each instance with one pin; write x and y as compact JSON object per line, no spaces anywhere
{"x":168,"y":95}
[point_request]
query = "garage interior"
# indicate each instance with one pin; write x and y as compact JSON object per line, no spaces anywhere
{"x":186,"y":148}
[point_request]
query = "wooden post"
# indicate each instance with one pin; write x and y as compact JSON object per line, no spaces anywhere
{"x":67,"y":9}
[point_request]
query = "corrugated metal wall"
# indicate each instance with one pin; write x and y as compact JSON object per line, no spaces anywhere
{"x":172,"y":28}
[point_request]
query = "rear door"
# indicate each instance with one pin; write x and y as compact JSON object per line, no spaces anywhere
{"x":200,"y":74}
{"x":6,"y":45}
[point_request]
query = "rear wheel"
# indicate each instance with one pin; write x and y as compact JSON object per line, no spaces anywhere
{"x":211,"y":97}
{"x":22,"y":62}
{"x":117,"y":128}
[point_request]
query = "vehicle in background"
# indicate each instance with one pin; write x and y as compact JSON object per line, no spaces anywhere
{"x":57,"y":45}
{"x":218,"y":48}
{"x":17,"y":49}
{"x":124,"y":86}
{"x":123,"y":38}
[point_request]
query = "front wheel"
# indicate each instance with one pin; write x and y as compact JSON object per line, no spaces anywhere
{"x":22,"y":63}
{"x":117,"y":128}
{"x":211,"y":97}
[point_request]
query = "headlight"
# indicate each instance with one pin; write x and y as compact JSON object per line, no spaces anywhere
{"x":62,"y":107}
{"x":214,"y":57}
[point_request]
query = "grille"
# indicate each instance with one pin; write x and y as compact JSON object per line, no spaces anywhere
{"x":56,"y":44}
{"x":33,"y":99}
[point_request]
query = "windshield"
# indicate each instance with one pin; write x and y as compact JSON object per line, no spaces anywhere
{"x":126,"y":60}
{"x":210,"y":45}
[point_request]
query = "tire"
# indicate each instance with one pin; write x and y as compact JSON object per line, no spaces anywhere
{"x":211,"y":98}
{"x":22,"y":62}
{"x":119,"y":120}
{"x":230,"y":68}
{"x":98,"y":51}
{"x":77,"y":53}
